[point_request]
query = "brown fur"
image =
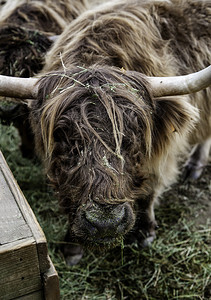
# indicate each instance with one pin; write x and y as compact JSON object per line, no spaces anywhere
{"x":22,"y":51}
{"x":45,"y":15}
{"x":125,"y":40}
{"x":25,"y":28}
{"x":119,"y":104}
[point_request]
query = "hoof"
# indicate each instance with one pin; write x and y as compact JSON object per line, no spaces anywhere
{"x":148,"y":240}
{"x":193,"y":171}
{"x":73,"y":253}
{"x":197,"y":161}
{"x":141,"y":238}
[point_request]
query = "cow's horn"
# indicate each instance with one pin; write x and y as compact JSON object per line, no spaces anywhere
{"x":25,"y":88}
{"x":180,"y":85}
{"x":16,"y":87}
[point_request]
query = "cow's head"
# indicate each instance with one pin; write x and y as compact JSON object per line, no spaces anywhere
{"x":101,"y":134}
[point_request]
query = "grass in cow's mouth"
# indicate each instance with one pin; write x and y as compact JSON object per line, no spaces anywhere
{"x":104,"y":244}
{"x":176,"y":266}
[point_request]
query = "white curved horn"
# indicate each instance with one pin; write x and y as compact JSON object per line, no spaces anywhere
{"x":16,"y":87}
{"x":180,"y":85}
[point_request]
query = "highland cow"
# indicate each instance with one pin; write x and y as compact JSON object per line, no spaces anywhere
{"x":27,"y":30}
{"x":110,"y":136}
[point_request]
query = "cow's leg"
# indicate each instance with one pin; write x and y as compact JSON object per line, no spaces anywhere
{"x":143,"y":232}
{"x":146,"y":227}
{"x":198,"y":160}
{"x":72,"y":251}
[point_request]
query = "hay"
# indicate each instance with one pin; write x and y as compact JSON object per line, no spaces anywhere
{"x":22,"y":51}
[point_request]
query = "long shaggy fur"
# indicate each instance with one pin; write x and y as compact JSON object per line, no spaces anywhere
{"x":101,"y":134}
{"x":25,"y":29}
{"x":103,"y":123}
{"x":45,"y":15}
{"x":157,"y":38}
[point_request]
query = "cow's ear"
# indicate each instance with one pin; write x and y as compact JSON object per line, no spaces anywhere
{"x":173,"y":117}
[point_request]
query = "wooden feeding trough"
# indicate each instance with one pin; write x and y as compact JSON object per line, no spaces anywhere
{"x":26,"y":271}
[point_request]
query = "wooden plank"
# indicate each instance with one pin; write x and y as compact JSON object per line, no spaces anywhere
{"x":12,"y":224}
{"x":51,"y":284}
{"x":20,"y":274}
{"x":27,"y":214}
{"x":33,"y":296}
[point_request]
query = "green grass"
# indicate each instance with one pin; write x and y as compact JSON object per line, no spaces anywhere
{"x":176,"y":266}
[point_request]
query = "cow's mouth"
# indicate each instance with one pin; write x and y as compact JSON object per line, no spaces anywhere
{"x":102,"y":226}
{"x":108,"y":240}
{"x":105,"y":240}
{"x":102,"y":243}
{"x":97,"y":240}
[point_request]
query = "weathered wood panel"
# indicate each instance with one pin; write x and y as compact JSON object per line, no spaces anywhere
{"x":51,"y":284}
{"x":20,"y":272}
{"x":13,"y":227}
{"x":26,"y":271}
{"x":18,"y":200}
{"x":34,"y":296}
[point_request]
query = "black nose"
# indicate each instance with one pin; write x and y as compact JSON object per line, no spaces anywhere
{"x":105,"y":220}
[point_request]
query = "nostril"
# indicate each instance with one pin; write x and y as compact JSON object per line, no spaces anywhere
{"x":105,"y":219}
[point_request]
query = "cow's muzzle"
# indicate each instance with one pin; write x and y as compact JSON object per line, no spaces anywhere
{"x":103,"y":224}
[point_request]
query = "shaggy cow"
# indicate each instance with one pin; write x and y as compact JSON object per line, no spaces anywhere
{"x":27,"y":29}
{"x":109,"y":138}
